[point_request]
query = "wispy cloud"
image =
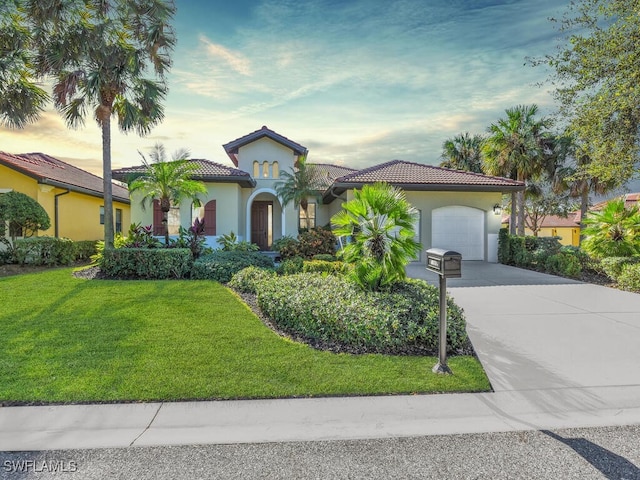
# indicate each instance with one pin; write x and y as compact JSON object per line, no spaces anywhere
{"x":235,"y":60}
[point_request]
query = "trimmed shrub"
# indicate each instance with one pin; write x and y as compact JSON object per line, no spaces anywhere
{"x":291,"y":266}
{"x":146,"y":263}
{"x":85,"y":249}
{"x":248,"y":279}
{"x":613,"y":266}
{"x":317,"y":241}
{"x":324,"y":256}
{"x":322,"y":266}
{"x":564,"y":264}
{"x":505,"y":255}
{"x":287,"y":246}
{"x":629,"y":278}
{"x":221,"y":266}
{"x":334,"y":310}
{"x":44,"y":251}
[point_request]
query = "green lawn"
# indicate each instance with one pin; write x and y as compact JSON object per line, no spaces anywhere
{"x":64,"y":339}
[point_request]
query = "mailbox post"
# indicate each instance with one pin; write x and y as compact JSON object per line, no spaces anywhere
{"x":447,"y":264}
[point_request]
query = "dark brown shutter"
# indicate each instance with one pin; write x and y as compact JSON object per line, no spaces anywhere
{"x":210,"y":218}
{"x":158,"y":228}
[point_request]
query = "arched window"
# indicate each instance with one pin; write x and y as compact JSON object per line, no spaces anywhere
{"x":265,"y":169}
{"x":256,"y":169}
{"x":275,"y":170}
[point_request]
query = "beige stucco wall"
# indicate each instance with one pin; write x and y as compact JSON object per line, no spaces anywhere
{"x":426,"y":202}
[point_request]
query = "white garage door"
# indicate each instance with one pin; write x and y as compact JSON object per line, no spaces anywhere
{"x":460,"y":229}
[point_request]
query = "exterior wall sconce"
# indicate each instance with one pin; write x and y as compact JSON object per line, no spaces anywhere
{"x":497,"y":209}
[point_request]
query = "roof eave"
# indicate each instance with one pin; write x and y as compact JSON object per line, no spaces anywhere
{"x":340,"y":187}
{"x":86,"y":191}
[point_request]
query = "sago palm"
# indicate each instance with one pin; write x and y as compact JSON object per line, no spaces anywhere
{"x":381,"y":225}
{"x":613,"y":231}
{"x":169,"y":182}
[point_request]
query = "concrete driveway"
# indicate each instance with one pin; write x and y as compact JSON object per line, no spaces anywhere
{"x":540,"y":332}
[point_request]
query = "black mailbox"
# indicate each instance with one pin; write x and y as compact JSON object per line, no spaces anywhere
{"x":446,"y":263}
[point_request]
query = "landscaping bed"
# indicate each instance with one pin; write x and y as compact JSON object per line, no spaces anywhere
{"x":69,"y":340}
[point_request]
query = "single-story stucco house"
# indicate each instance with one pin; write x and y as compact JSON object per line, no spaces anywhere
{"x":456,"y":208}
{"x":72,"y":197}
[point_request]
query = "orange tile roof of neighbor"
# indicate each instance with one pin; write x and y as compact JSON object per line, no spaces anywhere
{"x":48,"y":170}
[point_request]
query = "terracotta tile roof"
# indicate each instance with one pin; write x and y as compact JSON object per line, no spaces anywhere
{"x":630,"y":199}
{"x":207,"y":171}
{"x":325,"y":173}
{"x":232,"y":147}
{"x":49,"y":170}
{"x":554,"y":221}
{"x":417,"y":176}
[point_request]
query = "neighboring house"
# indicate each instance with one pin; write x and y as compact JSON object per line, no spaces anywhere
{"x":568,"y":228}
{"x":456,"y":208}
{"x":73,"y":198}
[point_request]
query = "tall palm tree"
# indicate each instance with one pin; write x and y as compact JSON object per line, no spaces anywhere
{"x":98,"y":55}
{"x":573,"y":176}
{"x":298,"y":187}
{"x":515,"y":148}
{"x":463,"y":152}
{"x":169,"y":182}
{"x":382,"y":225}
{"x":21,"y":99}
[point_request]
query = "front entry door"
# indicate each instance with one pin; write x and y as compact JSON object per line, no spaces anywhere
{"x":260,"y":224}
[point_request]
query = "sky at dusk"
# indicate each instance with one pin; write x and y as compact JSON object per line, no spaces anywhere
{"x":357,"y":82}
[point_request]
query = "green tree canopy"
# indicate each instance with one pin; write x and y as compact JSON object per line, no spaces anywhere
{"x":22,"y":214}
{"x":168,"y":181}
{"x":106,"y":58}
{"x":463,"y":152}
{"x":515,"y":148}
{"x":596,"y":76}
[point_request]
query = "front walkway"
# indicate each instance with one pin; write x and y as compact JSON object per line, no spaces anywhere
{"x":559,"y":354}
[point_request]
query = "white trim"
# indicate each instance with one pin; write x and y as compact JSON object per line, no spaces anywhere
{"x":6,"y":190}
{"x":248,"y":210}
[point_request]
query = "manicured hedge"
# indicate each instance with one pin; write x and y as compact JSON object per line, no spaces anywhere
{"x":248,"y":279}
{"x":629,"y":278}
{"x":613,"y":266}
{"x":334,"y":310}
{"x":221,"y":266}
{"x":146,"y":263}
{"x":44,"y":251}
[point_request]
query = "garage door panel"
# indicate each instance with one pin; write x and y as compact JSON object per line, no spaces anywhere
{"x":460,"y":229}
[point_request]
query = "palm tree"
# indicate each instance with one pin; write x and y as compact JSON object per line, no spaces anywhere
{"x":381,"y":223}
{"x":515,"y":148}
{"x":298,"y":187}
{"x":98,"y":55}
{"x":613,"y":231}
{"x":572,"y":176}
{"x":463,"y":152}
{"x":169,"y":182}
{"x":21,"y":99}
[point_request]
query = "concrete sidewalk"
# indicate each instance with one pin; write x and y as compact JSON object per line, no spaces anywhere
{"x":559,"y":354}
